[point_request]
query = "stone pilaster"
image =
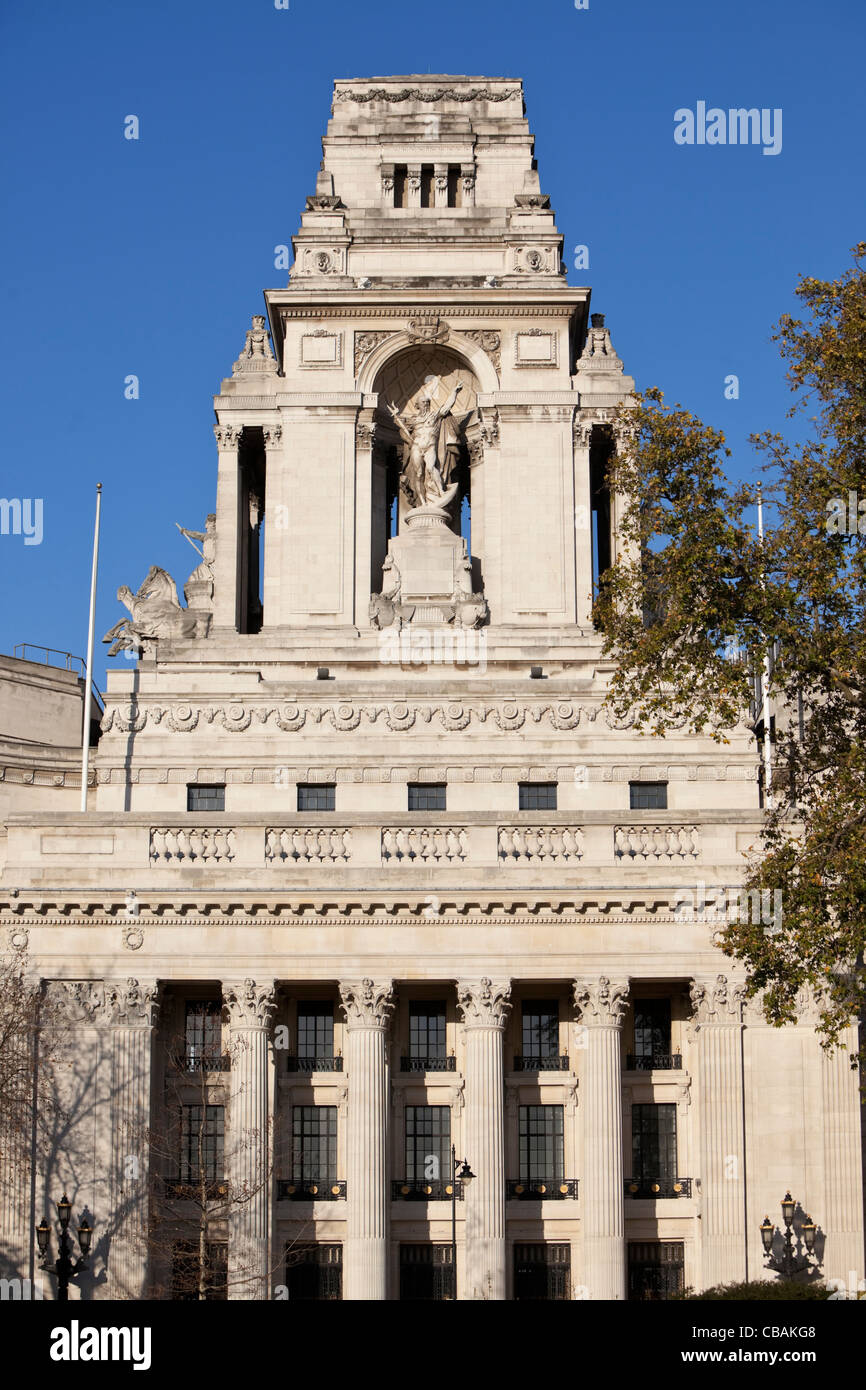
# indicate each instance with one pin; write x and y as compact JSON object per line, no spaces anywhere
{"x":842,"y":1218}
{"x":718,"y":1017}
{"x":485,"y":1006}
{"x":249,"y":1142}
{"x":602,"y":1004}
{"x":132,"y":1011}
{"x":367,"y":1005}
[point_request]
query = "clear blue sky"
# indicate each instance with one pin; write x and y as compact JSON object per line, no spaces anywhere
{"x":149,"y":257}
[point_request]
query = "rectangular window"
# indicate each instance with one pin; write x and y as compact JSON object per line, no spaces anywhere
{"x":314,"y":1272}
{"x":648,"y":796}
{"x":652,"y":1031}
{"x":202,"y":1131}
{"x":426,"y":796}
{"x":427,"y":1029}
{"x":427,"y":195}
{"x":455,"y":187}
{"x":542,"y":1150}
{"x":537,"y":796}
{"x":542,"y":1272}
{"x":428,"y":1142}
{"x":426,"y":1273}
{"x":540,"y":1029}
{"x":203,"y":1034}
{"x":316,"y":1030}
{"x":314,"y":1144}
{"x":205,"y":798}
{"x":655,"y":1270}
{"x":401,"y":196}
{"x":654,"y":1143}
{"x":318,"y":796}
{"x":186,"y":1271}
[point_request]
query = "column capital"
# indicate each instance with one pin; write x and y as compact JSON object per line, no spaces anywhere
{"x":485,"y":1003}
{"x":228,"y":436}
{"x":250,"y":1005}
{"x":717,"y":1000}
{"x":132,"y":1004}
{"x":602,"y":1002}
{"x":367,"y":1003}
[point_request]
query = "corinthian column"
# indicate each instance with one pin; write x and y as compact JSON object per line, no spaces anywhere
{"x":367,"y":1005}
{"x":133,"y":1009}
{"x":250,"y":1007}
{"x":485,"y":1006}
{"x":602,"y":1005}
{"x":718,"y":1017}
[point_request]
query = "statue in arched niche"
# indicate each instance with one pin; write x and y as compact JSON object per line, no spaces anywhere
{"x":430,"y":450}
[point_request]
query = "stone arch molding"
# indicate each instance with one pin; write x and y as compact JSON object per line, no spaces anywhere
{"x":474,"y":357}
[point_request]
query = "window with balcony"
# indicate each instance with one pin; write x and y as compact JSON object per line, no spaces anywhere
{"x":203,"y":1036}
{"x":540,"y":1037}
{"x":426,"y":796}
{"x":317,"y":796}
{"x":314,"y":1147}
{"x":427,"y":1037}
{"x":652,"y":1037}
{"x":428,"y":1151}
{"x":654,"y":1151}
{"x":315,"y":1050}
{"x":202,"y":1138}
{"x":541,"y":1144}
{"x":537,"y":796}
{"x":426,"y":1273}
{"x":205,"y":798}
{"x":542,"y":1272}
{"x":314,"y":1272}
{"x":189,"y":1281}
{"x":655,"y":1270}
{"x":648,"y":796}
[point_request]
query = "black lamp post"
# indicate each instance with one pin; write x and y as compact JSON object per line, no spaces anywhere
{"x":788,"y":1263}
{"x":465,"y":1176}
{"x":64,"y":1267}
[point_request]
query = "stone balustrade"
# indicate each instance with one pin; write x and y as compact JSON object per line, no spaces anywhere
{"x":308,"y":844}
{"x":180,"y":844}
{"x":657,"y":844}
{"x":539,"y":844}
{"x":425,"y":845}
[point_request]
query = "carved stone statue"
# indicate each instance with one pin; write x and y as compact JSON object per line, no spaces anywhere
{"x":198,"y":589}
{"x":257,"y":355}
{"x":155,"y":612}
{"x":428,"y":460}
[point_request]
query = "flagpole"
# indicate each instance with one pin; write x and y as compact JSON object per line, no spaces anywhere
{"x":765,"y":680}
{"x":88,"y":676}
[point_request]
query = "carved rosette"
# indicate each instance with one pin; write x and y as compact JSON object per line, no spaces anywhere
{"x":485,"y":1003}
{"x":249,"y":1005}
{"x":602,"y":1003}
{"x":367,"y":1003}
{"x":132,"y":1005}
{"x":716,"y":1001}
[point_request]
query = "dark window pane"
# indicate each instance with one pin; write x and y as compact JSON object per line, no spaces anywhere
{"x":427,"y":1028}
{"x":540,"y":1028}
{"x":655,"y":1270}
{"x":314,"y":1272}
{"x":654,"y":1143}
{"x":203,"y":1034}
{"x":317,"y":796}
{"x":426,"y":1273}
{"x":314,"y":1144}
{"x":541,"y":1143}
{"x":652,"y":1027}
{"x":537,"y":796}
{"x":202,"y":798}
{"x":542,"y":1272}
{"x":648,"y":796}
{"x":202,"y":1135}
{"x":428,"y":1142}
{"x":316,"y":1029}
{"x":426,"y":796}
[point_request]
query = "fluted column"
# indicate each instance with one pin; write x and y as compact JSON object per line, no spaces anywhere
{"x":842,"y":1218}
{"x":249,"y":1143}
{"x":485,"y":1006}
{"x":367,"y":1005}
{"x":602,"y":1004}
{"x":132,"y":1009}
{"x":718,"y":1016}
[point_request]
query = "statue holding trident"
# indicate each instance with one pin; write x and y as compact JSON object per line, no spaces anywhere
{"x":424,"y":459}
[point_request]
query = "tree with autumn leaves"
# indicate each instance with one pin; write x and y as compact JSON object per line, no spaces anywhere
{"x":693,"y":585}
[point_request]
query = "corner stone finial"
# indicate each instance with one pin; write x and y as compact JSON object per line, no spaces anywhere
{"x":257,"y":354}
{"x":598,"y":354}
{"x":250,"y":1005}
{"x":601,"y":1003}
{"x":367,"y":1003}
{"x":485,"y":1003}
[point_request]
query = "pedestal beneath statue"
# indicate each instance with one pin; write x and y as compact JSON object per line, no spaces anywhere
{"x":427,"y":576}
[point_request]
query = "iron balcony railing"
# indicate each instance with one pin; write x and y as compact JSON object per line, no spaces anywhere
{"x":653,"y":1188}
{"x":193,"y":1062}
{"x":542,"y":1063}
{"x":320,"y":1190}
{"x":541,"y":1189}
{"x":425,"y":1190}
{"x":417,"y":1064}
{"x":190,"y":1189}
{"x":659,"y":1061}
{"x":311,"y":1064}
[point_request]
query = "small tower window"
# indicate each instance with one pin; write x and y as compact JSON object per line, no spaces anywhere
{"x":401,"y":189}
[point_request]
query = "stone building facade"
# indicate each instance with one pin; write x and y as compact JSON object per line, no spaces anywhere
{"x":369,"y":870}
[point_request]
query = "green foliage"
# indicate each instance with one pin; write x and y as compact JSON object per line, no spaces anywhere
{"x":762,"y":1291}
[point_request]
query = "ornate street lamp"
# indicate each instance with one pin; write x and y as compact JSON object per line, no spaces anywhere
{"x":465,"y":1176}
{"x":789,"y":1263}
{"x":64,"y":1267}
